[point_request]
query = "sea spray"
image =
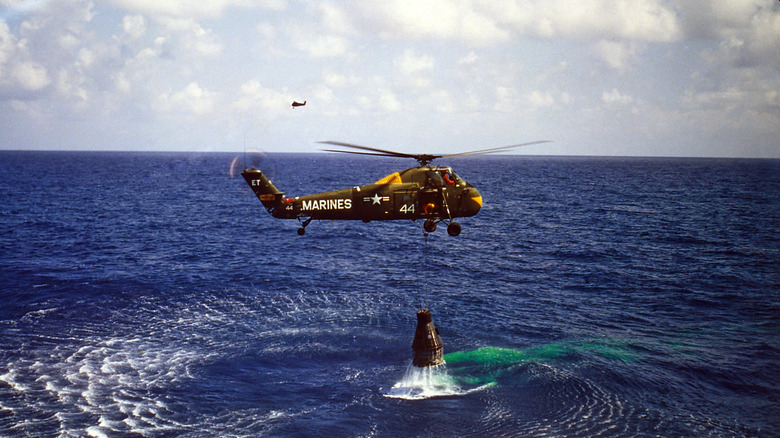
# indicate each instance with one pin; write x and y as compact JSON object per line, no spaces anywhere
{"x":429,"y":382}
{"x":421,"y":383}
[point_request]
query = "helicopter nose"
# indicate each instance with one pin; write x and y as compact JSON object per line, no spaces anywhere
{"x":472,"y":204}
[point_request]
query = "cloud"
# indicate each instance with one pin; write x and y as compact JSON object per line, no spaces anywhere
{"x":192,"y":100}
{"x":31,"y":76}
{"x":720,"y":19}
{"x":742,"y":89}
{"x":471,"y":58}
{"x":741,"y":71}
{"x":336,"y":19}
{"x":617,"y":55}
{"x":71,"y":84}
{"x":455,"y":20}
{"x":618,"y":30}
{"x":439,"y":100}
{"x":7,"y":45}
{"x":411,"y":63}
{"x":134,"y":26}
{"x":322,"y":46}
{"x":181,"y":8}
{"x":539,"y":99}
{"x":338,"y":80}
{"x":375,"y":95}
{"x":20,"y":74}
{"x":511,"y":99}
{"x":590,"y":20}
{"x":551,"y":67}
{"x":754,"y":43}
{"x":388,"y":102}
{"x":52,"y":44}
{"x":615,"y":97}
{"x":191,"y":39}
{"x":254,"y":98}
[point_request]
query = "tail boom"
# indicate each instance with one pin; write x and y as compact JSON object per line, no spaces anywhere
{"x":266,"y":192}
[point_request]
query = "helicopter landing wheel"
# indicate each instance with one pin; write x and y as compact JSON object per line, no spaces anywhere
{"x":429,"y":225}
{"x":301,"y":231}
{"x":453,"y":229}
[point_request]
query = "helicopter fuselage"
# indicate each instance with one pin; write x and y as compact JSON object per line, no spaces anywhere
{"x":432,"y":193}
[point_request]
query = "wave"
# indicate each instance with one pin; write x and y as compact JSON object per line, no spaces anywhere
{"x":429,"y":382}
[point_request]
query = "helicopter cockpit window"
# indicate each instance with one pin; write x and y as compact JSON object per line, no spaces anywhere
{"x":443,"y":177}
{"x":450,"y":177}
{"x":435,"y":179}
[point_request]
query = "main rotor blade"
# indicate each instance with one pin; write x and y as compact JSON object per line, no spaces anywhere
{"x":366,"y":148}
{"x":423,"y":159}
{"x":359,"y":153}
{"x":494,"y":150}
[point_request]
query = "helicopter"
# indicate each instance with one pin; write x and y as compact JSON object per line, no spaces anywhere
{"x":434,"y":194}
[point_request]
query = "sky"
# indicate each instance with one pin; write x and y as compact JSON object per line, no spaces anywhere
{"x":694,"y":78}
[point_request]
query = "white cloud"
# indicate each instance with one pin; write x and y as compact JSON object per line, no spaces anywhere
{"x":336,"y":20}
{"x":192,"y":100}
{"x":651,"y":20}
{"x":523,"y":66}
{"x":322,"y":46}
{"x":86,"y":58}
{"x":31,"y":75}
{"x":254,"y":98}
{"x":741,"y":74}
{"x":469,"y":59}
{"x":69,"y":84}
{"x":439,"y":100}
{"x":53,"y":45}
{"x":539,"y":99}
{"x":134,"y":25}
{"x":410,"y":63}
{"x":617,"y":55}
{"x":752,"y":44}
{"x":19,"y":73}
{"x":192,"y":39}
{"x":388,"y":101}
{"x":742,"y":89}
{"x":7,"y":44}
{"x":453,"y":20}
{"x":338,"y":80}
{"x":69,"y":41}
{"x":122,"y":84}
{"x":180,"y":8}
{"x":615,"y":97}
{"x":565,"y":98}
{"x":720,"y":19}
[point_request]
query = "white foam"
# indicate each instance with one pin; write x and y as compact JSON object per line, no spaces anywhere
{"x":273,"y":414}
{"x":109,"y":378}
{"x":10,"y":379}
{"x":37,"y":314}
{"x":422,"y":383}
{"x":108,"y":424}
{"x":96,"y":432}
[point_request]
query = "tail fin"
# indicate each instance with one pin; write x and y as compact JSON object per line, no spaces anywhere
{"x":264,"y":189}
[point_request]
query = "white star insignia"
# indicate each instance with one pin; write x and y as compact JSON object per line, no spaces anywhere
{"x":377,"y":199}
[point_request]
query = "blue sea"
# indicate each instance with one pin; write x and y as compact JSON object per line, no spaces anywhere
{"x":151,"y":295}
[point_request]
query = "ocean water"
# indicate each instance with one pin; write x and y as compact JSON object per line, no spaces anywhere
{"x":150,"y":294}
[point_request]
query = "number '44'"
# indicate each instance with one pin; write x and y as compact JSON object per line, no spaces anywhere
{"x":407,"y":208}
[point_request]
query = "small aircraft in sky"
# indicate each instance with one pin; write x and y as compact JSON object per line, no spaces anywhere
{"x":297,"y":104}
{"x":431,"y":193}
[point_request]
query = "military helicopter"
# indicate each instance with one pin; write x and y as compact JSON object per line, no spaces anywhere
{"x":431,"y":193}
